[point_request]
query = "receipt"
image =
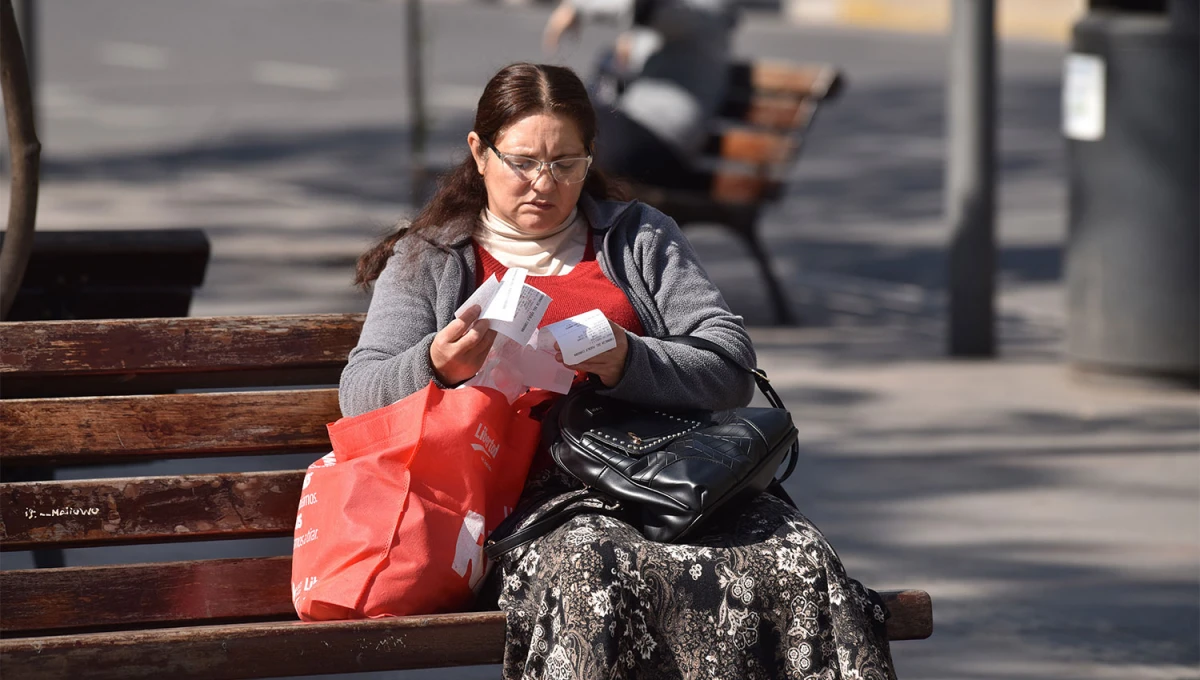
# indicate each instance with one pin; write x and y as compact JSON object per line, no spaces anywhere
{"x":504,"y":305}
{"x":501,"y":369}
{"x":583,"y":336}
{"x":510,"y":306}
{"x":482,"y":296}
{"x":530,"y":308}
{"x":540,"y":369}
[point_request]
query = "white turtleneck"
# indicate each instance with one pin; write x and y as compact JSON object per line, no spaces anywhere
{"x":552,"y":253}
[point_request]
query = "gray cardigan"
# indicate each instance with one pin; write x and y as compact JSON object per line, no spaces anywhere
{"x":638,"y":248}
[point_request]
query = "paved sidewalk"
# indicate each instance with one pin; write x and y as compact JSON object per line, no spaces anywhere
{"x":1055,"y":524}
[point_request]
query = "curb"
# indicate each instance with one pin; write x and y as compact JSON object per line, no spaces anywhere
{"x":1040,"y":20}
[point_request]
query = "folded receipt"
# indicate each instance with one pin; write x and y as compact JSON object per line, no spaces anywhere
{"x":582,"y":336}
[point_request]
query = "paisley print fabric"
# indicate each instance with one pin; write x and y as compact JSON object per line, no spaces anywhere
{"x":760,"y":594}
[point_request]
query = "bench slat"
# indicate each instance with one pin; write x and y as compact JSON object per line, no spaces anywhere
{"x":81,"y":598}
{"x":230,"y":589}
{"x":737,"y":188}
{"x":754,"y":147}
{"x":260,"y":650}
{"x":108,"y":429}
{"x":783,"y":114}
{"x":804,"y":81}
{"x":912,"y":614}
{"x":231,"y":652}
{"x":187,"y":345}
{"x":82,"y":513}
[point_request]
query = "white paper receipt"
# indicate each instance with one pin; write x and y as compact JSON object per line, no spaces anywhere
{"x":543,"y":371}
{"x":510,"y":306}
{"x":503,"y":306}
{"x":583,"y":336}
{"x":530,"y":308}
{"x":482,"y":296}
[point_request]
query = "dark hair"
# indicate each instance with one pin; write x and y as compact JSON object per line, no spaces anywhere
{"x":515,"y":92}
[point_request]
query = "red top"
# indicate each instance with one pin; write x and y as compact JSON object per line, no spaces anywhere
{"x":580,"y":290}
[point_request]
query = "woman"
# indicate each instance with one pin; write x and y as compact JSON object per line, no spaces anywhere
{"x":659,"y":90}
{"x":760,"y":594}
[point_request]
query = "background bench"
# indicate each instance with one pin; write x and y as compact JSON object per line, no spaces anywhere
{"x":767,"y":113}
{"x":111,"y":274}
{"x":209,"y":618}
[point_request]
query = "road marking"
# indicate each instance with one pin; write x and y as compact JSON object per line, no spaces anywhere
{"x":129,"y":117}
{"x":287,"y":74}
{"x":455,"y":96}
{"x":60,"y":102}
{"x":55,"y":96}
{"x":133,"y":55}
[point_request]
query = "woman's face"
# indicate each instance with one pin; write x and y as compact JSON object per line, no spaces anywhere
{"x":542,"y":203}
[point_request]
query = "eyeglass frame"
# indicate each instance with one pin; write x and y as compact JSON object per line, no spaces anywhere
{"x":541,"y":164}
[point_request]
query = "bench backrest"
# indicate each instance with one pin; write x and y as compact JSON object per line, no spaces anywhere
{"x":769,"y":107}
{"x":767,"y":110}
{"x":111,"y":274}
{"x":300,"y":357}
{"x":766,"y":114}
{"x":137,"y":359}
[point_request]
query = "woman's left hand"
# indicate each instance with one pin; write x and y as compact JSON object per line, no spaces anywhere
{"x":609,"y":366}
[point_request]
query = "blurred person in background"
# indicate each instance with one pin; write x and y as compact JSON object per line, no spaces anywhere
{"x":761,"y":593}
{"x":657,"y":89}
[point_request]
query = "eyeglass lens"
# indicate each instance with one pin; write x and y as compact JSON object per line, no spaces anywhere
{"x":566,"y":170}
{"x":569,"y":170}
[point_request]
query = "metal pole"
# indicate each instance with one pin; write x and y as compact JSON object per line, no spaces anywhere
{"x":970,"y":179}
{"x":416,"y":93}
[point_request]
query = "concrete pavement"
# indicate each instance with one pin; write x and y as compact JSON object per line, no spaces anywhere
{"x":1056,"y":523}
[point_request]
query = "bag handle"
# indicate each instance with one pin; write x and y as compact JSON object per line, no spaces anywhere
{"x":552,"y":518}
{"x":760,"y":379}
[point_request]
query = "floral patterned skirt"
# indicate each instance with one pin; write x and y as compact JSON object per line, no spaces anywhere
{"x":760,"y":594}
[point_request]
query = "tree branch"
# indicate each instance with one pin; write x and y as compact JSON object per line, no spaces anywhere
{"x":25,"y":152}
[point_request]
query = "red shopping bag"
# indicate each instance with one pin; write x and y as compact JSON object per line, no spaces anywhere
{"x":393,"y":521}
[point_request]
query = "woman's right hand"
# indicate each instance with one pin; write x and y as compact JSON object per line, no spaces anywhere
{"x":459,"y":349}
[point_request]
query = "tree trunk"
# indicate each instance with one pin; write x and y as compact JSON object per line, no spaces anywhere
{"x":25,"y":152}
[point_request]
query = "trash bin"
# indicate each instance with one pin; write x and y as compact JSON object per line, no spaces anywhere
{"x":1130,"y":116}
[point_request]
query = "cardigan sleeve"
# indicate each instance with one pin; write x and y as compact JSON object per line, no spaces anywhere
{"x":670,"y":374}
{"x":391,"y":360}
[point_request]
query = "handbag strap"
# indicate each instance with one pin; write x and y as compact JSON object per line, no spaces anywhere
{"x":760,"y":379}
{"x":553,"y":517}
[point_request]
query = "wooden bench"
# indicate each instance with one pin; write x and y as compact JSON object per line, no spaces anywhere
{"x":206,"y":618}
{"x":111,"y":274}
{"x":105,"y":275}
{"x":768,"y":110}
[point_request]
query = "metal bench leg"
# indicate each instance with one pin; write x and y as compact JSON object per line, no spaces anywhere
{"x":779,"y":301}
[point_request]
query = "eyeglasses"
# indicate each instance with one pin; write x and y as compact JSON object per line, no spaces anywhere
{"x":565,"y":170}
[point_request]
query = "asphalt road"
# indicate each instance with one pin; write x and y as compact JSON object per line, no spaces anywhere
{"x":281,"y":126}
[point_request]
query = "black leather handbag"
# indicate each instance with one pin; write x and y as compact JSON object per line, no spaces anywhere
{"x":669,"y":471}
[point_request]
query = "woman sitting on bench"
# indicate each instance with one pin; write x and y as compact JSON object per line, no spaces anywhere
{"x":758,"y":594}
